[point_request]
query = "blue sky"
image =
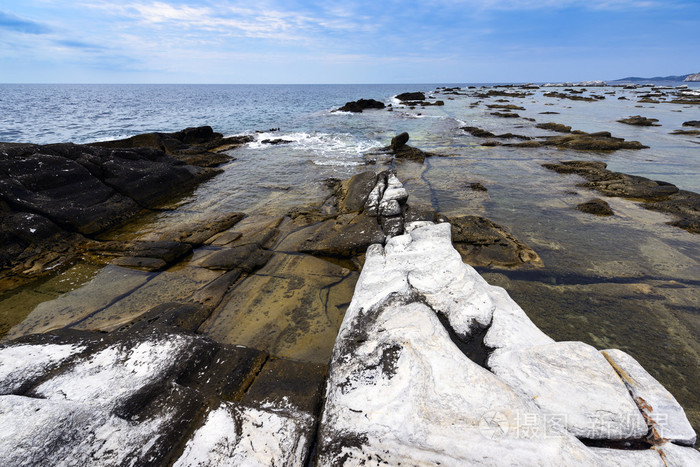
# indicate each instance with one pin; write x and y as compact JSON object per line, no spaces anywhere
{"x":350,"y":41}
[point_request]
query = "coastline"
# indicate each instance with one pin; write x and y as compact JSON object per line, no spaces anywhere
{"x":265,"y":233}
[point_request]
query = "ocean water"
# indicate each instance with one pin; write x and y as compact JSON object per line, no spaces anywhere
{"x":629,"y":281}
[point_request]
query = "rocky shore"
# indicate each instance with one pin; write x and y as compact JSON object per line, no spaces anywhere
{"x":353,"y":331}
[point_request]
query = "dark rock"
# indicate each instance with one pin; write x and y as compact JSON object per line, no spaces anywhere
{"x":481,"y":242}
{"x":196,"y":146}
{"x":596,"y":206}
{"x":694,"y":123}
{"x":359,"y":105}
{"x":686,"y":132}
{"x":286,"y":382}
{"x":638,"y":120}
{"x":401,"y":150}
{"x":558,"y":127}
{"x":505,"y":115}
{"x":399,"y":140}
{"x":247,"y":258}
{"x":411,"y":96}
{"x":572,"y":96}
{"x":476,"y":186}
{"x":478,"y":132}
{"x":601,"y":141}
{"x":351,"y":194}
{"x":276,"y":141}
{"x":505,"y":107}
{"x":657,"y":195}
{"x":392,"y":226}
{"x":344,"y":237}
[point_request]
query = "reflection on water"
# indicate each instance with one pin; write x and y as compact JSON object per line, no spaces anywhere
{"x":628,"y":281}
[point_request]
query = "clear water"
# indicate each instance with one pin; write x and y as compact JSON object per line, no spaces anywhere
{"x":629,"y":281}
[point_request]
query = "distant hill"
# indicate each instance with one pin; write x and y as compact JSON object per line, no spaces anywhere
{"x":636,"y":79}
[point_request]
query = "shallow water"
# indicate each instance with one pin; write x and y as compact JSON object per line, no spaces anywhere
{"x":628,"y":281}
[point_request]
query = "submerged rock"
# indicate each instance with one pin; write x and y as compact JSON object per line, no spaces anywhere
{"x":481,"y":242}
{"x":596,"y":206}
{"x":656,"y":195}
{"x":638,"y":120}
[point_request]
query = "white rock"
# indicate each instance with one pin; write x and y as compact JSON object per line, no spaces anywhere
{"x":238,"y":436}
{"x":679,"y":456}
{"x":111,"y":375}
{"x":629,"y":458}
{"x":573,"y":382}
{"x":667,"y":417}
{"x":390,"y":208}
{"x":400,"y":391}
{"x":22,"y":363}
{"x":375,"y":195}
{"x":510,"y":327}
{"x":60,"y":433}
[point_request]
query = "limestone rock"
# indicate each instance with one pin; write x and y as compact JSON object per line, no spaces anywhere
{"x":400,"y":392}
{"x":238,"y":435}
{"x":661,"y":410}
{"x":571,"y":380}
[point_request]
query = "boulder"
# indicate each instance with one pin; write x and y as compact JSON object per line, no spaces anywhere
{"x":596,"y":206}
{"x":362,"y":104}
{"x":411,"y":96}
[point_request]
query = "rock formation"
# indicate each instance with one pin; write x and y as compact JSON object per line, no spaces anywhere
{"x":656,"y":195}
{"x":434,"y":366}
{"x":54,"y":197}
{"x":222,"y":359}
{"x":362,"y":104}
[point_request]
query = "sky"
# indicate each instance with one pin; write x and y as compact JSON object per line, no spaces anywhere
{"x":349,"y":41}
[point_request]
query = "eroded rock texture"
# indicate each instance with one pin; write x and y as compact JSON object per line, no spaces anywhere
{"x":434,"y":366}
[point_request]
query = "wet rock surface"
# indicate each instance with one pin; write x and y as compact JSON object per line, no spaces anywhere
{"x":579,"y":140}
{"x":221,"y":355}
{"x":656,"y":195}
{"x":361,"y":104}
{"x":638,"y":120}
{"x":481,"y":242}
{"x":54,"y":195}
{"x":596,"y":206}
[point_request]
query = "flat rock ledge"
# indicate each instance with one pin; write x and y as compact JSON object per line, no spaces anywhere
{"x":434,"y":366}
{"x":431,"y":366}
{"x":54,"y":198}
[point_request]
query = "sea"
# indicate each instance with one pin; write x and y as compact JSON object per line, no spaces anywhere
{"x":628,"y":281}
